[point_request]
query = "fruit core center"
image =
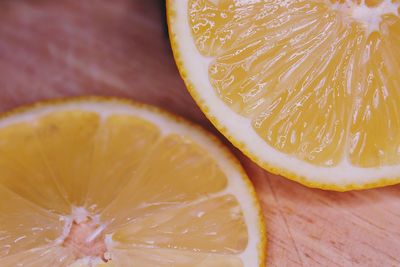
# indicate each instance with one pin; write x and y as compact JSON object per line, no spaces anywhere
{"x":86,"y":238}
{"x":367,"y":13}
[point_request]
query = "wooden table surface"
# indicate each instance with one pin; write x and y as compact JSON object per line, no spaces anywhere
{"x":51,"y":49}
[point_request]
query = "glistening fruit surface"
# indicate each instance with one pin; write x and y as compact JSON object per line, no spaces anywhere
{"x":89,"y":182}
{"x":308,"y":89}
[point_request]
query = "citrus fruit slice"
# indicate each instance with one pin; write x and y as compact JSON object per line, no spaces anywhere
{"x":307,"y":89}
{"x":95,"y":182}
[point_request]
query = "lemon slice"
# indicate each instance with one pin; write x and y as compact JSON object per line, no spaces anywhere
{"x":307,"y":89}
{"x":95,"y":182}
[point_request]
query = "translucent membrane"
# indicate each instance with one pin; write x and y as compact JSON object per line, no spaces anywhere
{"x":318,"y":79}
{"x":36,"y":257}
{"x":159,"y":197}
{"x":144,"y":257}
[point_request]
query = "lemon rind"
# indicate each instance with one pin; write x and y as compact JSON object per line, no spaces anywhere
{"x":169,"y":116}
{"x":380,"y":182}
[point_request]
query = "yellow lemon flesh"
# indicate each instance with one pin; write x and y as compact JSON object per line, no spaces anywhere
{"x":95,"y":182}
{"x":307,"y":89}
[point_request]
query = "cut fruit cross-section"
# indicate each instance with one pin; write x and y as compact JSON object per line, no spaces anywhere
{"x":307,"y":89}
{"x":96,"y":182}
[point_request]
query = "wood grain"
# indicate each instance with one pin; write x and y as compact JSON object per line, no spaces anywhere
{"x":51,"y":49}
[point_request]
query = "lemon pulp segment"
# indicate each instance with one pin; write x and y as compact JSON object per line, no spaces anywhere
{"x":308,"y":89}
{"x":151,"y":192}
{"x":312,"y":81}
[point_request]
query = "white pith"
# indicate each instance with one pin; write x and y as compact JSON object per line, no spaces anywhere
{"x":239,"y":129}
{"x":237,"y":185}
{"x":368,"y":16}
{"x":78,"y":215}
